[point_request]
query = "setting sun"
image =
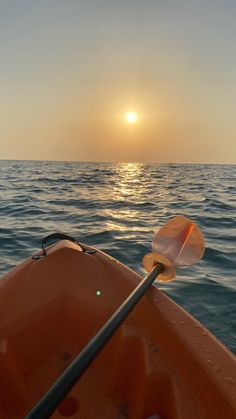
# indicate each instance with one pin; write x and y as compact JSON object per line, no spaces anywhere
{"x":131,"y":117}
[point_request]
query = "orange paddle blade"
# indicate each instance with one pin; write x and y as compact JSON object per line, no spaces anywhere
{"x":180,"y":240}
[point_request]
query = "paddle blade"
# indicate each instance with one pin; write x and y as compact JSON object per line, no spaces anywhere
{"x":180,"y":240}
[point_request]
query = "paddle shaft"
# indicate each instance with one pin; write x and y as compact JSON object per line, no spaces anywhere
{"x":55,"y":395}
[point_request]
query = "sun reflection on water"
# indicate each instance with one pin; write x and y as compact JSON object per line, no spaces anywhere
{"x":132,"y":189}
{"x":130,"y":180}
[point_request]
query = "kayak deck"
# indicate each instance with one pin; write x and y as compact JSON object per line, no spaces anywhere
{"x":160,"y":362}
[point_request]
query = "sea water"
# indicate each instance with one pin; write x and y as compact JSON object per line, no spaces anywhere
{"x":117,"y":207}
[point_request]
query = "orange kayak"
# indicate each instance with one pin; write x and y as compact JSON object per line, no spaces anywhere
{"x":160,"y":364}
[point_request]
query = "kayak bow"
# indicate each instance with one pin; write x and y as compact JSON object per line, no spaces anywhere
{"x":160,"y":362}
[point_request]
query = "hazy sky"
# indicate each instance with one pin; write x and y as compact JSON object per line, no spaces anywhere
{"x":71,"y":69}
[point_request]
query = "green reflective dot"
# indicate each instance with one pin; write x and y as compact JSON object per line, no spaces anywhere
{"x":98,"y":293}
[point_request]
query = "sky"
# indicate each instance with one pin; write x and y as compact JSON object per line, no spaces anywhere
{"x":70,"y":70}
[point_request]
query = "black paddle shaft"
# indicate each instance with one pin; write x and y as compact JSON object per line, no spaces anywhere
{"x":55,"y":395}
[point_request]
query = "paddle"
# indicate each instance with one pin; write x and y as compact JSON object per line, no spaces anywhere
{"x":179,"y":242}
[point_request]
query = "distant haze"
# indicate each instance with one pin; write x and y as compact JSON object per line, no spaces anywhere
{"x":70,"y":70}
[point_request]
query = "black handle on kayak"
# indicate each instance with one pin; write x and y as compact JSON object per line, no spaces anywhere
{"x":55,"y":395}
{"x":57,"y":236}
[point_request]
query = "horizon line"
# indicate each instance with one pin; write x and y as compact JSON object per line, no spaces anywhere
{"x":121,"y":162}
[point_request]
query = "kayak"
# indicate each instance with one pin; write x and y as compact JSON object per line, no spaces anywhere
{"x":161,"y":363}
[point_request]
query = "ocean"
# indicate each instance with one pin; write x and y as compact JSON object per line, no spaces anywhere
{"x":117,"y":207}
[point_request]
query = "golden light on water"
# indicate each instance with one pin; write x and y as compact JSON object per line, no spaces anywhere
{"x":131,"y":193}
{"x":131,"y":117}
{"x":128,"y":186}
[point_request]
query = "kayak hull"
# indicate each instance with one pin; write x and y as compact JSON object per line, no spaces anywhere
{"x":160,"y":363}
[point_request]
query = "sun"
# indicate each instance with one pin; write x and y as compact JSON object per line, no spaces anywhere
{"x":131,"y":117}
